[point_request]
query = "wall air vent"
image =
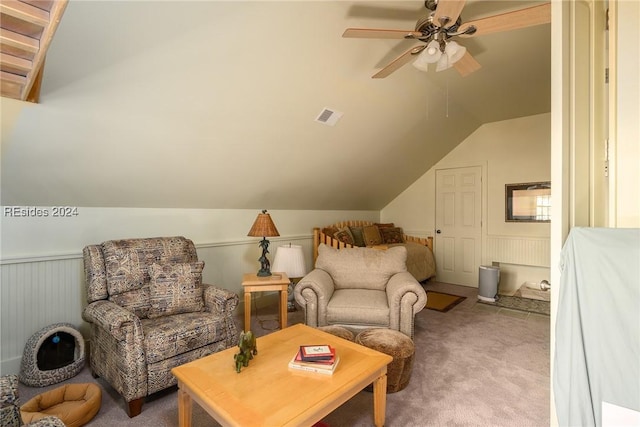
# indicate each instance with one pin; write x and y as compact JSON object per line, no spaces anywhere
{"x":328,"y":116}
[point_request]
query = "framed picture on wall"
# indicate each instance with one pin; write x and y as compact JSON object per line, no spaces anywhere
{"x":528,"y":202}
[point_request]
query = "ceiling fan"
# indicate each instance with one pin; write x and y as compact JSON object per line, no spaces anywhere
{"x":440,"y":26}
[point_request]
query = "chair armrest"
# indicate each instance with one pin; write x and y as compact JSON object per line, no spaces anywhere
{"x":219,"y":301}
{"x":313,"y":293}
{"x":406,"y":298}
{"x":112,"y":318}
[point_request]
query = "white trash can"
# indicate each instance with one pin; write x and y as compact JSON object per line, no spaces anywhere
{"x":489,"y":276}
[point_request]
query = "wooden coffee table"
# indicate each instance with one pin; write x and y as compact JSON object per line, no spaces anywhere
{"x":268,"y":393}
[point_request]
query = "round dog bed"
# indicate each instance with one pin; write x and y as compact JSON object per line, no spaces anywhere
{"x":74,"y":404}
{"x":52,"y":355}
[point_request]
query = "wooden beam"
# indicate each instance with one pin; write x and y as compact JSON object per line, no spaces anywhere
{"x":11,"y":85}
{"x":15,"y":64}
{"x":34,"y":93}
{"x":13,"y":78}
{"x":18,"y":41}
{"x":55,"y":15}
{"x":25,"y":12}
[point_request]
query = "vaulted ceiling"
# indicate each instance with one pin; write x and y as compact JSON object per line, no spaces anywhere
{"x":210,"y":104}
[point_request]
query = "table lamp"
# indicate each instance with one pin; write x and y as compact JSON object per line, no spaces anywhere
{"x":290,"y":260}
{"x":264,"y":227}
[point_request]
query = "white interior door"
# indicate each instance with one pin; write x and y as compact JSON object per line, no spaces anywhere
{"x":458,"y":244}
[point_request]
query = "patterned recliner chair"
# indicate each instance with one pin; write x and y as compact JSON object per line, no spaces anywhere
{"x":149,"y":312}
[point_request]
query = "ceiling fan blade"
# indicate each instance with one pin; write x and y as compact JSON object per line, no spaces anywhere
{"x":397,"y":63}
{"x":370,"y":33}
{"x":450,"y":9}
{"x":528,"y":17}
{"x":467,"y":65}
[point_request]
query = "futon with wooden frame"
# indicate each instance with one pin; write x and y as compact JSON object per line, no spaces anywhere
{"x":420,"y":260}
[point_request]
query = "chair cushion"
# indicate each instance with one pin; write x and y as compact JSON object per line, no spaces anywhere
{"x":358,"y":307}
{"x":169,"y":336}
{"x":175,"y":288}
{"x":361,"y":268}
{"x":136,"y":301}
{"x":126,"y":261}
{"x":74,"y":404}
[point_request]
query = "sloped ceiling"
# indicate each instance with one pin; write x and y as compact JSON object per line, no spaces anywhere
{"x":212,"y":105}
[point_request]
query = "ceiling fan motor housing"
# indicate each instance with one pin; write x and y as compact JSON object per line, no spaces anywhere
{"x":426,"y":26}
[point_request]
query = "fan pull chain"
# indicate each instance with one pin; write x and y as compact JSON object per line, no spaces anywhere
{"x":427,"y":106}
{"x":447,"y":114}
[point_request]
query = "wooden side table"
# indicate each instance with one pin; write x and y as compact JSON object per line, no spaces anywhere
{"x":276,"y":282}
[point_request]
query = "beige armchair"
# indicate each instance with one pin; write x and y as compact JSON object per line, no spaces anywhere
{"x":149,"y":312}
{"x":361,"y":288}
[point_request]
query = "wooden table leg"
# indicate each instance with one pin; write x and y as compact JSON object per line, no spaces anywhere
{"x":247,"y":311}
{"x":283,"y":309}
{"x":380,"y":399}
{"x":185,"y":406}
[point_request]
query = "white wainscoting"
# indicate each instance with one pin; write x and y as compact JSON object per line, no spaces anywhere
{"x":37,"y":292}
{"x":532,"y":251}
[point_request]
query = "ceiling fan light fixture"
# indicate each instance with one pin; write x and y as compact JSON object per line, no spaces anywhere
{"x":455,"y":52}
{"x":429,"y":55}
{"x":443,"y":63}
{"x":452,"y":54}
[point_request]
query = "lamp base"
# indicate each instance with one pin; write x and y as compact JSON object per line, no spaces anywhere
{"x":265,"y":265}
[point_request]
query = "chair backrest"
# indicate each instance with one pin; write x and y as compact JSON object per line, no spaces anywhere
{"x":361,"y":268}
{"x":117,"y":268}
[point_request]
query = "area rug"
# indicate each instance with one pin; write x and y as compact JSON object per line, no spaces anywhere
{"x":522,"y":304}
{"x":440,"y":301}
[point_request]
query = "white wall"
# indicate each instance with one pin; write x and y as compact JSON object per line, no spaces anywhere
{"x":510,"y":151}
{"x":625,"y":126}
{"x":41,"y":270}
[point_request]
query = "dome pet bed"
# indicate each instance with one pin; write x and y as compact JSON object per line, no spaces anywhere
{"x":52,"y":355}
{"x":74,"y":404}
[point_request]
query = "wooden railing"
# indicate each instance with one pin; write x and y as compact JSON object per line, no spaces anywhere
{"x":320,"y":237}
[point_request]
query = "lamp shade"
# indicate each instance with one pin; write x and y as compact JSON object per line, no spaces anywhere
{"x":455,"y":52}
{"x":290,"y":260}
{"x":452,"y":54}
{"x":263,"y":226}
{"x":428,"y":56}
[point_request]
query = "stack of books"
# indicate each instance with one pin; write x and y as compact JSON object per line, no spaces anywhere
{"x":315,"y":358}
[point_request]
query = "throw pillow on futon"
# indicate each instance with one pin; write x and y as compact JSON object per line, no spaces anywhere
{"x":392,"y":235}
{"x":372,"y":235}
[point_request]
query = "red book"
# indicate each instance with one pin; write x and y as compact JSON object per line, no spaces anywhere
{"x":323,"y":362}
{"x":314,"y":353}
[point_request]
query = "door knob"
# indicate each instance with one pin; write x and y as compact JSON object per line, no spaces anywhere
{"x":438,"y":231}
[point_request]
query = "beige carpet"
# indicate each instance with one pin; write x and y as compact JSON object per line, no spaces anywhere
{"x":440,"y":301}
{"x":474,"y":366}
